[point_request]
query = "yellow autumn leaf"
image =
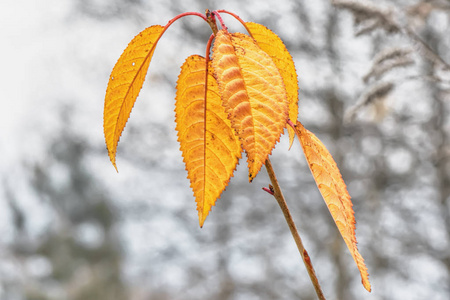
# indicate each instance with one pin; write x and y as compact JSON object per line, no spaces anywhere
{"x":253,"y":94}
{"x":334,"y":192}
{"x":125,"y":84}
{"x":274,"y":46}
{"x":209,"y":146}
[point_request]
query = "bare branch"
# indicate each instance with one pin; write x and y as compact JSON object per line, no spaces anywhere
{"x":377,"y":92}
{"x":365,"y":11}
{"x":372,"y":17}
{"x":387,"y":60}
{"x":278,"y":195}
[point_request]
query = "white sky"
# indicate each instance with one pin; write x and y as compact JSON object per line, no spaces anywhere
{"x":31,"y":56}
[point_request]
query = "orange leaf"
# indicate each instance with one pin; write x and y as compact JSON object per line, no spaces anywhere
{"x":208,"y":143}
{"x":253,"y":94}
{"x":274,"y":46}
{"x":125,"y":84}
{"x":334,"y":192}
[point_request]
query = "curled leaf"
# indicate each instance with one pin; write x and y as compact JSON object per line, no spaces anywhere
{"x":334,"y":192}
{"x":253,"y":94}
{"x":125,"y":83}
{"x":272,"y":44}
{"x":209,"y":146}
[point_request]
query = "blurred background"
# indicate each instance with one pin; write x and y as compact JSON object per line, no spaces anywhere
{"x":374,"y":83}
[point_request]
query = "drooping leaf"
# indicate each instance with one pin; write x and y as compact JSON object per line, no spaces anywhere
{"x":210,"y":148}
{"x":125,"y":84}
{"x":334,"y":192}
{"x":274,"y":46}
{"x":253,"y":94}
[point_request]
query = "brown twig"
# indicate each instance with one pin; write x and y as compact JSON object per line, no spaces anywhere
{"x":287,"y":215}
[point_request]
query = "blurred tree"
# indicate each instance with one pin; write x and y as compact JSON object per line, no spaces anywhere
{"x":78,"y":256}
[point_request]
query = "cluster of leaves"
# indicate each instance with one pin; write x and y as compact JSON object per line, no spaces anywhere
{"x":239,"y":98}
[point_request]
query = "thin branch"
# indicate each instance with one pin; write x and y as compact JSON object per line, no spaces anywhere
{"x":377,"y":92}
{"x":425,"y":49}
{"x":388,"y":60}
{"x":365,"y":11}
{"x":287,"y":215}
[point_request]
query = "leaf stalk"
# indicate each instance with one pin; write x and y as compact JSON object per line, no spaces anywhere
{"x":191,"y":13}
{"x":236,"y":17}
{"x":220,"y":20}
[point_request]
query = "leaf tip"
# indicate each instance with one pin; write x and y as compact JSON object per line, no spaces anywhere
{"x":365,"y":279}
{"x":112,"y":158}
{"x":203,"y":212}
{"x":201,"y":220}
{"x":291,"y":138}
